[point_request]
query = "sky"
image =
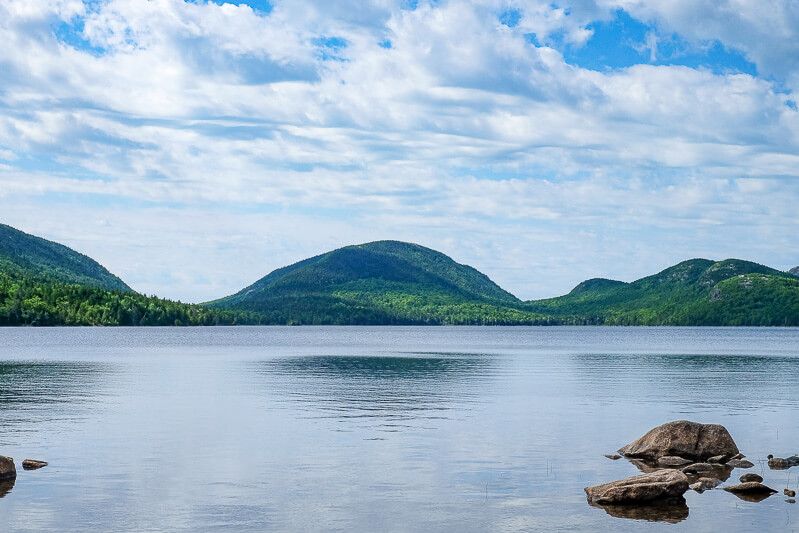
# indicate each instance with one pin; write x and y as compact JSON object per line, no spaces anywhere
{"x":192,"y":147}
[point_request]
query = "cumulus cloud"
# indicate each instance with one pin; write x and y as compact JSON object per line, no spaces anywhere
{"x":451,"y":123}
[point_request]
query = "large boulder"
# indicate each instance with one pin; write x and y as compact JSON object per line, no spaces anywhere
{"x":7,"y":468}
{"x":683,"y":438}
{"x":661,"y":484}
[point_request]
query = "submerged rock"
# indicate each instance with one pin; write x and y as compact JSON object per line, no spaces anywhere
{"x":704,"y":483}
{"x":7,"y":468}
{"x":682,"y":438}
{"x":33,"y":464}
{"x":673,"y":460}
{"x":613,"y":456}
{"x":747,"y":478}
{"x":740,"y":463}
{"x":697,"y":468}
{"x":661,"y":484}
{"x":751,"y":491}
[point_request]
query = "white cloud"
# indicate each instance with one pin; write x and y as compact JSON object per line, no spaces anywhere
{"x":462,"y":134}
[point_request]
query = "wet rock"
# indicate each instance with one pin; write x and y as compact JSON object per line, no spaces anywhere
{"x":33,"y":464}
{"x":748,"y":478}
{"x":673,"y":460}
{"x":790,"y":493}
{"x":740,"y":463}
{"x":7,"y":469}
{"x":717,"y":459}
{"x":751,"y":491}
{"x":778,"y":463}
{"x":704,"y":483}
{"x":682,"y":438}
{"x":737,"y":456}
{"x":613,"y":456}
{"x":661,"y":484}
{"x":670,"y":510}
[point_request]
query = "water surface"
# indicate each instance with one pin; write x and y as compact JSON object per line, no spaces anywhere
{"x":377,"y":429}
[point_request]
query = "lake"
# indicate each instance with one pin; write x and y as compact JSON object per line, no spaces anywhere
{"x":377,"y":429}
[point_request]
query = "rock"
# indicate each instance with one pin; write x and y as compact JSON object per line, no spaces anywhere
{"x":778,"y":463}
{"x":740,"y":463}
{"x":717,"y":459}
{"x":661,"y":484}
{"x":790,"y":500}
{"x":748,"y":478}
{"x":790,"y":493}
{"x":673,"y":460}
{"x":613,"y":456}
{"x":7,"y":468}
{"x":682,"y":438}
{"x":33,"y":464}
{"x":737,"y":456}
{"x":751,"y":491}
{"x":704,"y":483}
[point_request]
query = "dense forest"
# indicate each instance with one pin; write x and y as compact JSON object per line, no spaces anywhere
{"x":35,"y":302}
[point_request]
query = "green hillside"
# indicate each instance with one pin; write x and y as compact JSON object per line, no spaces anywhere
{"x":47,"y":284}
{"x":26,"y":255}
{"x":694,"y":292}
{"x":384,"y":282}
{"x":794,"y":271}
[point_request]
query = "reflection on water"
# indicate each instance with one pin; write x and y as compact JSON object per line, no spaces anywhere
{"x":415,"y":387}
{"x":34,"y":391}
{"x":671,"y":511}
{"x":6,"y":486}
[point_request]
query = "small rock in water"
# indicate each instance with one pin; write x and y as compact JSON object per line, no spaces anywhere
{"x":718,"y":459}
{"x":748,"y":478}
{"x":7,"y":468}
{"x":673,"y":460}
{"x":33,"y":464}
{"x":790,"y":500}
{"x":642,"y":488}
{"x":778,"y":463}
{"x":740,"y":463}
{"x":752,"y":491}
{"x":613,"y":456}
{"x":790,"y":493}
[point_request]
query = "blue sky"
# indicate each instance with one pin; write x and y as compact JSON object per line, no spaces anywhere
{"x":192,"y":147}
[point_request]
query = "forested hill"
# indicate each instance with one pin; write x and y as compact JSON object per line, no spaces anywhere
{"x":383,"y":282}
{"x":698,"y":292}
{"x":388,"y":282}
{"x":32,"y":257}
{"x":47,"y":284}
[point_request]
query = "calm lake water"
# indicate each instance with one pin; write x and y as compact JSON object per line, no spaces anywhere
{"x":377,"y":429}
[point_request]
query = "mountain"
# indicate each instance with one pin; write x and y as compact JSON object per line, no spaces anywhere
{"x":383,"y":282}
{"x":794,"y":271}
{"x":695,"y":292}
{"x":26,"y":255}
{"x":45,"y":283}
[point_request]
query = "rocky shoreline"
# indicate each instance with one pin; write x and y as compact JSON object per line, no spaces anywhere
{"x":676,"y":457}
